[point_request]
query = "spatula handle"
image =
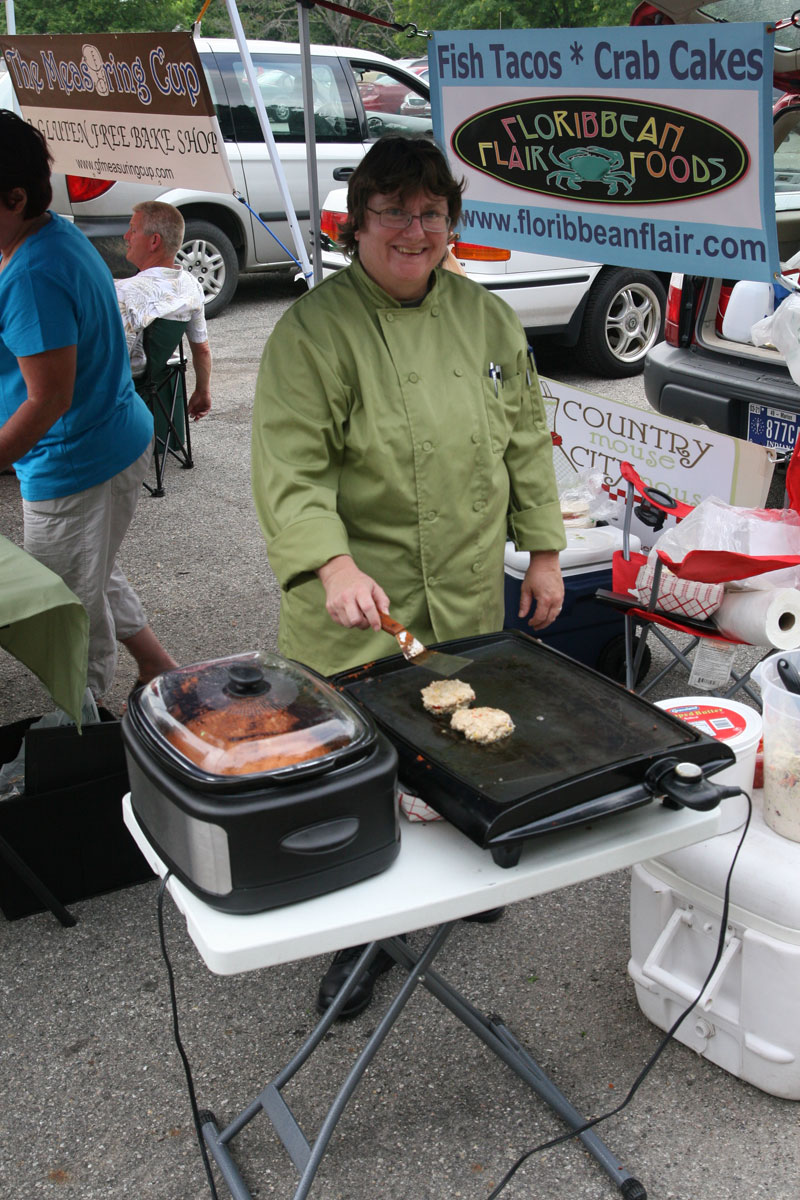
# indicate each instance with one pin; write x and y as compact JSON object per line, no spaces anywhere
{"x":389,"y":625}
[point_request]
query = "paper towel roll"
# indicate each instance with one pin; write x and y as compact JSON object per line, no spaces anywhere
{"x":762,"y":618}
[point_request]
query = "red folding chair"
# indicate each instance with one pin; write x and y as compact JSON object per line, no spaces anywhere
{"x":700,"y":566}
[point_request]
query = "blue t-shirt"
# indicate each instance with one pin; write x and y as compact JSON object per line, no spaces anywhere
{"x":56,"y":291}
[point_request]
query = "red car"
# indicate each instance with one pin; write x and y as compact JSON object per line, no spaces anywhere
{"x":384,"y":94}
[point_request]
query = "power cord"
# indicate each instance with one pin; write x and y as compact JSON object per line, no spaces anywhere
{"x":636,"y":1191}
{"x":176,"y":1031}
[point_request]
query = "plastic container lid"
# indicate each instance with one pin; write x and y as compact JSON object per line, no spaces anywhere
{"x":584,"y":546}
{"x":726,"y":720}
{"x":251,"y":714}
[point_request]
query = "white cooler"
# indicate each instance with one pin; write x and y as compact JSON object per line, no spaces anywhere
{"x":748,"y":1021}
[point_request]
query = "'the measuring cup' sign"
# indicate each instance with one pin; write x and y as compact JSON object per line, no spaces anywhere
{"x":133,"y":107}
{"x":602,"y":149}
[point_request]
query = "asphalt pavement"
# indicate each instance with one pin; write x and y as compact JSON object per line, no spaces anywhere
{"x":93,"y":1101}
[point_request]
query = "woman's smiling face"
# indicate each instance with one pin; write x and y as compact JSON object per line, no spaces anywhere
{"x":401,"y":260}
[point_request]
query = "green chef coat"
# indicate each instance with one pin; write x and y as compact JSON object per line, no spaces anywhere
{"x":378,"y":432}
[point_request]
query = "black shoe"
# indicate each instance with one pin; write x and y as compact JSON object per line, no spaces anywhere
{"x":488,"y":917}
{"x":340,"y":970}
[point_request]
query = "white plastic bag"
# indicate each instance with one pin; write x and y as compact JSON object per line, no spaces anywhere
{"x":782,"y":330}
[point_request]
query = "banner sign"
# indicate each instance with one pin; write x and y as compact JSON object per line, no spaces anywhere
{"x":649,"y":147}
{"x":133,"y":106}
{"x":686,"y":461}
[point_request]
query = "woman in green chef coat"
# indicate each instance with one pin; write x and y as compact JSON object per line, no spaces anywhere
{"x":399,"y":435}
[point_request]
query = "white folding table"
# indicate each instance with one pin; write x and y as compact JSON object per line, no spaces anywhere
{"x":438,"y":877}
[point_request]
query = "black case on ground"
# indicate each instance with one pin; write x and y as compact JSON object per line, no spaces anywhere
{"x":68,"y":825}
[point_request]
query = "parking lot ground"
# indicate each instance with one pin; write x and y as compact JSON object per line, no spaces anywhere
{"x":93,"y":1102}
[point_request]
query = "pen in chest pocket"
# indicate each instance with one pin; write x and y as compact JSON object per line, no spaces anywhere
{"x":496,"y":375}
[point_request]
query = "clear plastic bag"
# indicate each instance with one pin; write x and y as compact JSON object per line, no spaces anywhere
{"x":586,"y":501}
{"x":715,"y":525}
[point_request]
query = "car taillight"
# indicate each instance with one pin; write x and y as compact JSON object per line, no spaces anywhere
{"x":331,"y":223}
{"x":722,"y":306}
{"x":80,"y":187}
{"x":672,"y":319}
{"x":472,"y":252}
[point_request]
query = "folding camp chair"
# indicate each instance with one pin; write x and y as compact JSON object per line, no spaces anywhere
{"x":163,"y":389}
{"x":642,"y":619}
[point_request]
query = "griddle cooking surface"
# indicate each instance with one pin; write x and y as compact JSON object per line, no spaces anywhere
{"x":569,"y":722}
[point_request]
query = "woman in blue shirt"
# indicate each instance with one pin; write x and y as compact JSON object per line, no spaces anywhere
{"x":71,"y":422}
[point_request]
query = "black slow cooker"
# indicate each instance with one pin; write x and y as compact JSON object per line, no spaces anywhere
{"x":258,"y":784}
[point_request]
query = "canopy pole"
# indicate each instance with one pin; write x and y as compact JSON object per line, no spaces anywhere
{"x":11,"y":20}
{"x":309,"y":113}
{"x":263,"y":120}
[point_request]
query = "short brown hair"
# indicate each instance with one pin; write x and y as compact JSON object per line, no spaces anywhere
{"x":163,"y":219}
{"x":402,"y":165}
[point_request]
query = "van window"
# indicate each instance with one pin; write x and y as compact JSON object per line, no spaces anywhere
{"x":280,"y":83}
{"x":392,"y":102}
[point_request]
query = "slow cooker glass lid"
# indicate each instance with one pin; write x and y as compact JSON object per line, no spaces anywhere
{"x":250,"y":714}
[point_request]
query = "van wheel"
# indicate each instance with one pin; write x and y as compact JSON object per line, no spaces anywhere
{"x":623,"y":319}
{"x":208,"y":254}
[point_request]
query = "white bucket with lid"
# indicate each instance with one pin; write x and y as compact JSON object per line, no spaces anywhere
{"x":781,"y":747}
{"x":739,"y":726}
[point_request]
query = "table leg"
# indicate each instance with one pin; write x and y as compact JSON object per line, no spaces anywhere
{"x":491,"y":1030}
{"x":37,"y":886}
{"x":306,"y":1155}
{"x":502,"y":1042}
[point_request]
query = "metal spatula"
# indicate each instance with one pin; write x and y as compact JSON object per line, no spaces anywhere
{"x":416,"y":653}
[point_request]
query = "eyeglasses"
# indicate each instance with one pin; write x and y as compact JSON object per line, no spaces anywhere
{"x":398,"y":218}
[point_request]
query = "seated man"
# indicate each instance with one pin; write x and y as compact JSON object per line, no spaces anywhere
{"x":161,"y":289}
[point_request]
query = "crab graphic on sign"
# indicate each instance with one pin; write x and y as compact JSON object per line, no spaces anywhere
{"x":592,"y":164}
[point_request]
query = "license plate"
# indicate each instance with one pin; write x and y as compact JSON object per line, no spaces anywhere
{"x":773,"y":427}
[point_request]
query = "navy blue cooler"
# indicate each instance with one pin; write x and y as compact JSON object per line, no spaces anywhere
{"x":591,"y":632}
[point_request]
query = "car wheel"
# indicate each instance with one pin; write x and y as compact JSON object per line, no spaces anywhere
{"x":623,"y":319}
{"x":208,"y":254}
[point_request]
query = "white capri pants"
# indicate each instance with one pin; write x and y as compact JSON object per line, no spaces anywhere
{"x":78,"y":537}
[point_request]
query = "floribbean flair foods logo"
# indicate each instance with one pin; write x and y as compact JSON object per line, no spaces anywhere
{"x":602,"y":149}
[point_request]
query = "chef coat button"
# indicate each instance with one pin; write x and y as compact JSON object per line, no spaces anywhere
{"x":427,"y":445}
{"x":432,"y":515}
{"x":477,"y":506}
{"x":432,"y":580}
{"x":413,"y":378}
{"x":457,"y":371}
{"x":390,"y":316}
{"x":476,"y":437}
{"x":434,"y":312}
{"x":476,"y":567}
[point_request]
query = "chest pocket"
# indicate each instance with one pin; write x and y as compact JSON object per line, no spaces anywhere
{"x":502,"y":409}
